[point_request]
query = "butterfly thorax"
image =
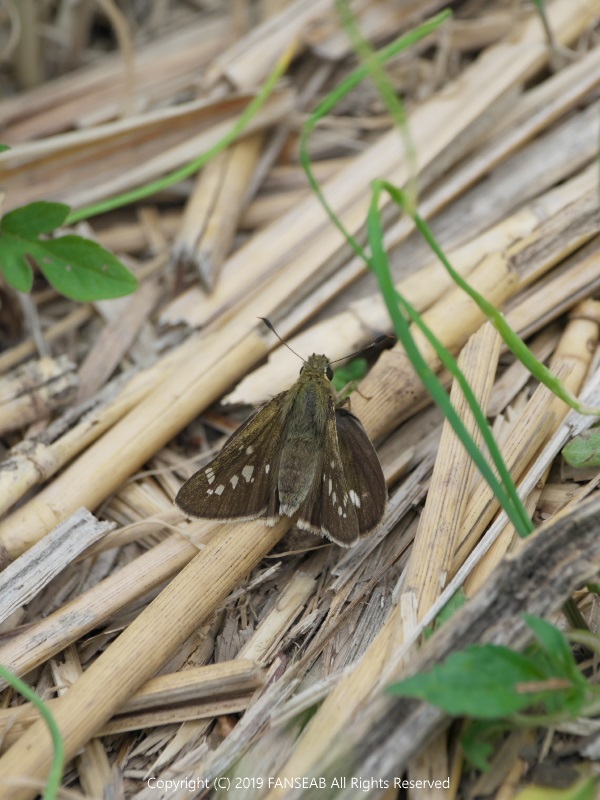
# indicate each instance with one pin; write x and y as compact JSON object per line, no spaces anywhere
{"x":311,"y":404}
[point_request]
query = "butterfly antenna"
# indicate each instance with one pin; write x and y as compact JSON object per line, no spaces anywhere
{"x":379,"y":340}
{"x":270,"y":326}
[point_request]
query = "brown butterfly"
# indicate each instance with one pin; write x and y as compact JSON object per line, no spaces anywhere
{"x":301,"y":453}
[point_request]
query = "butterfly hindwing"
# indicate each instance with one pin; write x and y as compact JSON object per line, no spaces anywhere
{"x":241,"y":482}
{"x":328,"y":510}
{"x":363,"y":474}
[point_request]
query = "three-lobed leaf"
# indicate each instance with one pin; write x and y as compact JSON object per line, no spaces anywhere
{"x":78,"y":268}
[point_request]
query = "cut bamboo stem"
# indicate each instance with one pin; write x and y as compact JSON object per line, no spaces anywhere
{"x":211,"y":682}
{"x":213,"y":212}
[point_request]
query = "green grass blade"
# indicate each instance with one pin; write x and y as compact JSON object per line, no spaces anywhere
{"x":58,"y":757}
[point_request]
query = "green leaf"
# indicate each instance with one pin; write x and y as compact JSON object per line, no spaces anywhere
{"x":557,"y":648}
{"x":31,"y":220}
{"x":479,"y":682}
{"x":584,"y":450}
{"x":479,"y":742}
{"x":4,"y":148}
{"x":352,"y":371}
{"x":76,"y":267}
{"x":456,"y":602}
{"x":82,"y":270}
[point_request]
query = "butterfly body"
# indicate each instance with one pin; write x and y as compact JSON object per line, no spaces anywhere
{"x":299,"y":454}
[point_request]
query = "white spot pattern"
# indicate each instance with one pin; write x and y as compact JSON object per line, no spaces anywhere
{"x":355,"y":498}
{"x":220,"y":489}
{"x":247,"y":472}
{"x":234,"y":481}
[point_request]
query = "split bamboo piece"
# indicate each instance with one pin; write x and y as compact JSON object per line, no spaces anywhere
{"x":207,"y":683}
{"x":214,"y":209}
{"x":33,"y":646}
{"x":24,"y":578}
{"x":574,"y":352}
{"x":33,"y":391}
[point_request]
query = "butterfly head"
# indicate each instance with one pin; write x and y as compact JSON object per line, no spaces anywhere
{"x":317,"y":365}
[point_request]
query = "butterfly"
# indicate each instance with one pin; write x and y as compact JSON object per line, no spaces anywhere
{"x":301,"y":454}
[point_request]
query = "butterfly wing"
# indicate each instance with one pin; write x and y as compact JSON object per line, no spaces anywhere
{"x":328,"y":510}
{"x":241,"y":482}
{"x":362,"y":470}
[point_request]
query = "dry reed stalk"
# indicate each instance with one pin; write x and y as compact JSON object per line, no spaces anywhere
{"x":275,"y":625}
{"x":434,"y":125}
{"x":168,"y":145}
{"x":522,"y":263}
{"x":430,"y":560}
{"x":24,"y":578}
{"x":572,"y":359}
{"x":574,"y":352}
{"x":194,"y":686}
{"x":33,"y":391}
{"x":514,"y":378}
{"x":573,"y":281}
{"x":213,"y":211}
{"x":33,"y":646}
{"x":376,"y":21}
{"x":265,"y":209}
{"x":250,"y":59}
{"x":163,"y":68}
{"x":365,"y":318}
{"x":103,"y":467}
{"x":393,"y":730}
{"x":115,"y":340}
{"x":10,"y":358}
{"x":36,"y":460}
{"x":140,"y":650}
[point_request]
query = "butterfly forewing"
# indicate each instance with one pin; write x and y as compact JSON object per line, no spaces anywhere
{"x":362,"y":471}
{"x":241,"y":482}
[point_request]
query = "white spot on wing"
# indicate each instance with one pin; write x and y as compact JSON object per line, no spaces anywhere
{"x":247,"y":472}
{"x":334,"y":498}
{"x":249,"y":450}
{"x":220,"y":489}
{"x":209,"y":491}
{"x":330,"y":486}
{"x":267,"y":468}
{"x":340,"y":510}
{"x":355,"y":498}
{"x":234,"y":481}
{"x":333,"y":465}
{"x":210,"y":475}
